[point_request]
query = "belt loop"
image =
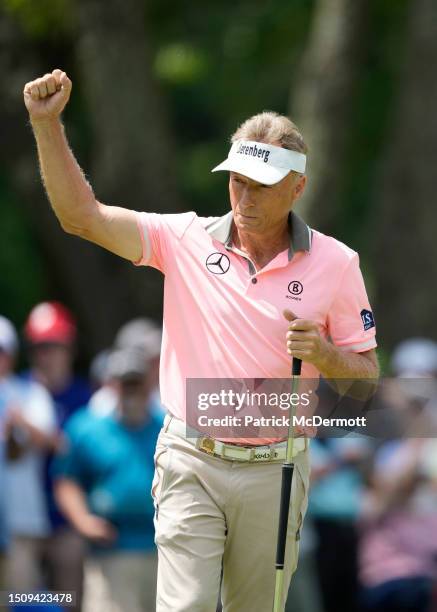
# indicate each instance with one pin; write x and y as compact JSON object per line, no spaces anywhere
{"x":167,"y":421}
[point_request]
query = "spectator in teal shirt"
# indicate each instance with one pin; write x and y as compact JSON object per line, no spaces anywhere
{"x":103,"y":482}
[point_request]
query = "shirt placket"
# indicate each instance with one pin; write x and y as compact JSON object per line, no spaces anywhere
{"x":254,"y":275}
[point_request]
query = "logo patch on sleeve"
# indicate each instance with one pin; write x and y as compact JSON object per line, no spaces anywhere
{"x":367,"y":319}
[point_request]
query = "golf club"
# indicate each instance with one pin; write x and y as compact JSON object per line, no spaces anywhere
{"x":284,"y":509}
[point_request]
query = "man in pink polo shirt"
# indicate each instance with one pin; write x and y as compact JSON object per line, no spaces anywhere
{"x":244,"y":293}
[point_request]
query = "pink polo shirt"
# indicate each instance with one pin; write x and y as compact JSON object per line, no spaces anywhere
{"x":222,"y":319}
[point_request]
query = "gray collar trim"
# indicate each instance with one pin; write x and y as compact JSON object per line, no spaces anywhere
{"x":221,"y":228}
{"x":300,"y":233}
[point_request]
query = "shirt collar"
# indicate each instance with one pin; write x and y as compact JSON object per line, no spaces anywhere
{"x":299,"y":232}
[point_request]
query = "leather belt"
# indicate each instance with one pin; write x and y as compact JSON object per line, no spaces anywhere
{"x":233,"y":452}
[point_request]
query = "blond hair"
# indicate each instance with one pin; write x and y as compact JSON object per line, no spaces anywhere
{"x":271,"y":128}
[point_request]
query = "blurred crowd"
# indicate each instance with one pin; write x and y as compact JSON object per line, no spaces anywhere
{"x":76,"y":463}
{"x":76,"y":471}
{"x":369,"y":542}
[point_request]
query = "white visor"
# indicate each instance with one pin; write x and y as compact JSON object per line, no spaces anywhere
{"x":264,"y":163}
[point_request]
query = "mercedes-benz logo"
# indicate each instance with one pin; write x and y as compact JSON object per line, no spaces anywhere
{"x":218,"y":263}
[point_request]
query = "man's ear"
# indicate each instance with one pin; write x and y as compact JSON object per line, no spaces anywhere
{"x":299,"y":186}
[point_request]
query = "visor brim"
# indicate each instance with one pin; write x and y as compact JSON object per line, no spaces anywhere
{"x":256,"y":170}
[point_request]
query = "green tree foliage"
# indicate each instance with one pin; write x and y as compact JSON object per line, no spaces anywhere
{"x":43,"y":19}
{"x":213,"y":63}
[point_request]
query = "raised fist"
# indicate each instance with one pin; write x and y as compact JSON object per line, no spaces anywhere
{"x":46,"y":97}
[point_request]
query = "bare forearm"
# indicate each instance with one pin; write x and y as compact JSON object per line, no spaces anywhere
{"x":71,"y":500}
{"x":39,"y":439}
{"x":70,"y":194}
{"x":305,"y":342}
{"x":352,"y":374}
{"x":336,"y":363}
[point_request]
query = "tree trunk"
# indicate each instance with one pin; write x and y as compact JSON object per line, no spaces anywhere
{"x":405,"y":252}
{"x":132,"y":144}
{"x":131,"y":165}
{"x":322,"y":99}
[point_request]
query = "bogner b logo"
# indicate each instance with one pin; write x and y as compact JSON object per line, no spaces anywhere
{"x":295,"y":288}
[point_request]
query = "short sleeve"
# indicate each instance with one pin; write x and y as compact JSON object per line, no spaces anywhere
{"x":351,"y":324}
{"x":38,"y":408}
{"x":160,"y":235}
{"x":71,"y":460}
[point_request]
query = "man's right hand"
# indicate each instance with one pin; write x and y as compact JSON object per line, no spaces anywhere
{"x":97,"y":529}
{"x":46,"y":98}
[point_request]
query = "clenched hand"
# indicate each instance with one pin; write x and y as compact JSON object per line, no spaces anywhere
{"x":304,"y":340}
{"x":46,"y":97}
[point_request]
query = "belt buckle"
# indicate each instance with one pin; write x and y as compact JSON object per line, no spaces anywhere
{"x":207,"y":445}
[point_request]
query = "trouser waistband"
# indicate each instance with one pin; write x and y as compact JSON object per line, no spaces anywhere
{"x":233,"y":452}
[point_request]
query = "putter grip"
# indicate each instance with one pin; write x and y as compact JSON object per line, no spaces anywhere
{"x":287,"y":478}
{"x":296,"y":367}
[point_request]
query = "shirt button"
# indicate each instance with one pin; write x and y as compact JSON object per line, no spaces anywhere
{"x":254,"y":281}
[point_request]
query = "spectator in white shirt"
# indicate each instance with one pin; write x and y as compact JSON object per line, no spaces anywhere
{"x":28,"y":431}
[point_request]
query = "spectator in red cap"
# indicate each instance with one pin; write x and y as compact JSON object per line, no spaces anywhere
{"x":50,"y":332}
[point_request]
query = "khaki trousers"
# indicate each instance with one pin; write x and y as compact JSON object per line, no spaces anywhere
{"x":2,"y":571}
{"x":212,"y":514}
{"x":120,"y":582}
{"x":64,"y":554}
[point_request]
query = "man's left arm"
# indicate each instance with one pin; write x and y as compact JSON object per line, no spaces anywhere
{"x":305,"y":342}
{"x":350,"y":325}
{"x":335,"y":363}
{"x":354,"y":374}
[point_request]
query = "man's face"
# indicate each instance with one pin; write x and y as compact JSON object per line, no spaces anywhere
{"x":133,"y":399}
{"x":52,"y":357}
{"x":261,"y":208}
